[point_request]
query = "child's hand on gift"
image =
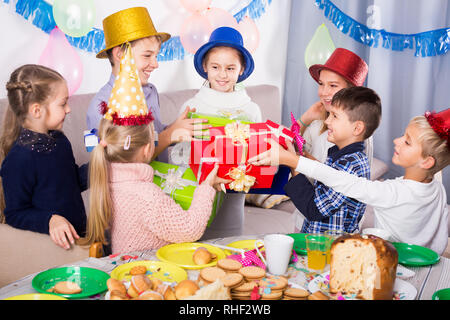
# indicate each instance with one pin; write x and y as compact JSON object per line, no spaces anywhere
{"x":61,"y":231}
{"x":214,"y":181}
{"x":276,"y":155}
{"x":184,"y":128}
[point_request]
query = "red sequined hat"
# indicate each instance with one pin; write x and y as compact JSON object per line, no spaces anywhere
{"x":440,"y":122}
{"x":345,"y":63}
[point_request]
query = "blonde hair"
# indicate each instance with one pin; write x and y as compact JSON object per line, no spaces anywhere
{"x":27,"y":84}
{"x":432,"y":145}
{"x":111,"y":149}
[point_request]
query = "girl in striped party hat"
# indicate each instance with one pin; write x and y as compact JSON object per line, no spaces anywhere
{"x":124,"y":201}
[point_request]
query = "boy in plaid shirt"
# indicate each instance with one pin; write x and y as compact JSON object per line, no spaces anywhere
{"x":355,"y":114}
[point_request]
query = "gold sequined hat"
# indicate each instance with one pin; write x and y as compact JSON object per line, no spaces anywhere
{"x":128,"y":25}
{"x":127,"y":105}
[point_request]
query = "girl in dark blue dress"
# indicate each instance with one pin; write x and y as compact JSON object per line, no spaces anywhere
{"x":41,"y":182}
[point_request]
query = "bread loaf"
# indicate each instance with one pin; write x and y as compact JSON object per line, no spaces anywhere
{"x":363,"y":265}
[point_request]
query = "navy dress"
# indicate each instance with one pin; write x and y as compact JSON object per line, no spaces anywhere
{"x":40,"y":178}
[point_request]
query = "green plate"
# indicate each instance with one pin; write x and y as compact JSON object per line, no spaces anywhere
{"x":443,"y":294}
{"x":299,"y":243}
{"x":414,"y":255}
{"x":91,"y":281}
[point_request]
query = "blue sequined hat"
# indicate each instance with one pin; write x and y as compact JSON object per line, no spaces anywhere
{"x":227,"y":37}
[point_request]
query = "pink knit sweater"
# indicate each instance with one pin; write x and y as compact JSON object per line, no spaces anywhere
{"x":144,"y":217}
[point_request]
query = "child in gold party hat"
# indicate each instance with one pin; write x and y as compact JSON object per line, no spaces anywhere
{"x":123,"y":198}
{"x":135,"y":26}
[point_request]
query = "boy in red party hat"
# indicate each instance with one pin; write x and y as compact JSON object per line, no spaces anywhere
{"x":412,"y":208}
{"x":123,"y":198}
{"x":343,"y":69}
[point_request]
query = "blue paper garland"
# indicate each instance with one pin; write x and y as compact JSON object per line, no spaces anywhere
{"x":42,"y":17}
{"x":426,"y":44}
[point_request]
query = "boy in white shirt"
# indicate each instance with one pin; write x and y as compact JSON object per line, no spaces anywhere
{"x":413,"y":208}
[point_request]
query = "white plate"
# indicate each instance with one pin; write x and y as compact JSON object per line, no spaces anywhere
{"x":402,"y":290}
{"x":404,"y":273}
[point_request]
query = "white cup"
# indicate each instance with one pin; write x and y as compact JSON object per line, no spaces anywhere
{"x":278,"y":252}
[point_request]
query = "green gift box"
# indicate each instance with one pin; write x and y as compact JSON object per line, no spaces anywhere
{"x":180,"y":184}
{"x":218,"y":121}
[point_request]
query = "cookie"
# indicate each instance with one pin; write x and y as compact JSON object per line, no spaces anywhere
{"x":150,"y":295}
{"x":271,"y":295}
{"x":169,"y":294}
{"x":202,"y":282}
{"x":241,"y":298}
{"x":295,"y":294}
{"x":241,"y":294}
{"x":211,"y":274}
{"x":252,"y":273}
{"x":138,"y":270}
{"x":245,"y":287}
{"x":231,"y":280}
{"x":114,"y":284}
{"x":318,"y":295}
{"x":67,"y":287}
{"x":275,"y":283}
{"x":118,"y":295}
{"x":229,"y":265}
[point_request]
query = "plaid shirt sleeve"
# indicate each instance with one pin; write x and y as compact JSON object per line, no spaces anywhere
{"x":342,"y":212}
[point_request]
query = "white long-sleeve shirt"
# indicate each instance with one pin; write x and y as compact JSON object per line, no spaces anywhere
{"x":413,"y":212}
{"x":236,"y":105}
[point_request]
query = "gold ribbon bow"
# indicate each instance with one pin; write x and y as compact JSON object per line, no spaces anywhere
{"x":238,"y":132}
{"x":241,"y":181}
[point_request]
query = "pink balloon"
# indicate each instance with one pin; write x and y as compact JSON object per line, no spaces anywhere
{"x":195,"y":32}
{"x":220,"y":18}
{"x":62,"y":57}
{"x":250,"y":34}
{"x":195,"y":5}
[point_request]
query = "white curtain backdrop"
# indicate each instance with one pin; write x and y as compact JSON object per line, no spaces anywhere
{"x":408,"y":85}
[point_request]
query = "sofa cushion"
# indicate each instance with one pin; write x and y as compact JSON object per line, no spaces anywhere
{"x":24,"y":252}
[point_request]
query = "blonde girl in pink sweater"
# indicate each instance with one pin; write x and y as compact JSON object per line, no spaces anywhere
{"x":125,"y":201}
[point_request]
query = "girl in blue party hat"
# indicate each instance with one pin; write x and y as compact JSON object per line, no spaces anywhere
{"x":224,"y":62}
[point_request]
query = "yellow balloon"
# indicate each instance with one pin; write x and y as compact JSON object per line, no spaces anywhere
{"x":319,"y":48}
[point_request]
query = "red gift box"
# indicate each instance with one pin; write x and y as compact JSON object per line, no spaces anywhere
{"x":231,"y":150}
{"x":281,"y":132}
